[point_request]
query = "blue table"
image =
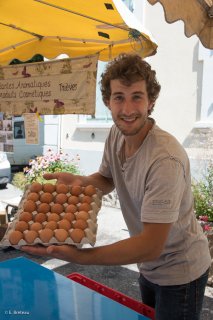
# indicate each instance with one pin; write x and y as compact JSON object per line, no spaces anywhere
{"x":30,"y":291}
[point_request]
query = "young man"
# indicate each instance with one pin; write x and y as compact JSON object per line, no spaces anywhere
{"x":150,"y":171}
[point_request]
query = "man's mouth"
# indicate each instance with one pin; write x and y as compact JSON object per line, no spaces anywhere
{"x":128,"y":119}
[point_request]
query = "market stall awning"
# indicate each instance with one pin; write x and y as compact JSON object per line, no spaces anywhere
{"x":197,"y":16}
{"x":72,"y":27}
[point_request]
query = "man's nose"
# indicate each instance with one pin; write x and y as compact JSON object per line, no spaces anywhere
{"x":127,"y":107}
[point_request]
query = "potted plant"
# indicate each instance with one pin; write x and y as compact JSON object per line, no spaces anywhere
{"x":203,"y":204}
{"x":203,"y":199}
{"x":50,"y":162}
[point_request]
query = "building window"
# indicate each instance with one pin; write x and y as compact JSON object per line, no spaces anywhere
{"x":102,"y":113}
{"x":129,"y":4}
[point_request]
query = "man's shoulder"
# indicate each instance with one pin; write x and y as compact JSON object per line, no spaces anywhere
{"x":162,"y":135}
{"x":164,"y":142}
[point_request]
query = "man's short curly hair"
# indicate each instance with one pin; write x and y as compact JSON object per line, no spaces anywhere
{"x":129,"y":68}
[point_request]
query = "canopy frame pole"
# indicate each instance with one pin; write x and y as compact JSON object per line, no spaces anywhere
{"x":82,"y":15}
{"x":23,"y":30}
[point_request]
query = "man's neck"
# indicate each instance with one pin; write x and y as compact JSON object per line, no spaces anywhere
{"x":133,"y":143}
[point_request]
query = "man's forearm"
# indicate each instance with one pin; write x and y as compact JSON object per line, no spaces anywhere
{"x":146,"y":246}
{"x":128,"y":251}
{"x":106,"y":185}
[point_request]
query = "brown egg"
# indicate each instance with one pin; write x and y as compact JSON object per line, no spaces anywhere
{"x":82,"y":215}
{"x":40,"y":217}
{"x":29,"y":206}
{"x":71,"y":208}
{"x":15,"y":236}
{"x":51,"y":225}
{"x":62,"y":188}
{"x":36,"y":187}
{"x":30,"y":236}
{"x":36,"y":226}
{"x":48,"y":187}
{"x":53,"y":217}
{"x":80,"y":224}
{"x":26,"y":216}
{"x":89,"y":190}
{"x":76,"y":190}
{"x":61,"y":198}
{"x":46,"y":197}
{"x":43,"y":207}
{"x":69,"y":216}
{"x":84,"y":207}
{"x":21,"y":226}
{"x":57,"y":208}
{"x":64,"y":224}
{"x":45,"y":235}
{"x":86,"y":199}
{"x":61,"y":235}
{"x":33,"y":196}
{"x":77,"y":235}
{"x":73,"y":200}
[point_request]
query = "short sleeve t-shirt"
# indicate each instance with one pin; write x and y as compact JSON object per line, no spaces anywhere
{"x":154,"y":186}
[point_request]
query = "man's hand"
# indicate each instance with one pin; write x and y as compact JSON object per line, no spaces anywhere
{"x":64,"y":252}
{"x":106,"y":185}
{"x":64,"y":177}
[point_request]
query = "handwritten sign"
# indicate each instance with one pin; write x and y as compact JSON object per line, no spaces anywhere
{"x":65,"y":86}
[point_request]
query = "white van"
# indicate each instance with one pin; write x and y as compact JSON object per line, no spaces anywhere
{"x":23,"y":152}
{"x":5,"y":170}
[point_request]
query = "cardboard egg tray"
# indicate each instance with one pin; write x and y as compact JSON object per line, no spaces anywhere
{"x":91,"y":221}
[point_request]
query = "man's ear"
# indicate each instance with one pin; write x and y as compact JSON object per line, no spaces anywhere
{"x":151,"y":106}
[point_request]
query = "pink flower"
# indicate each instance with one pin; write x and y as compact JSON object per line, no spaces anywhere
{"x":207,"y":227}
{"x":203,"y":218}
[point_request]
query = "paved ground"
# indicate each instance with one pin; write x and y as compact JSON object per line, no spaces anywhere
{"x":111,"y":227}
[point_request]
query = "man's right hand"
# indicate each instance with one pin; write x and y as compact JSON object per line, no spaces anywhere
{"x":64,"y":177}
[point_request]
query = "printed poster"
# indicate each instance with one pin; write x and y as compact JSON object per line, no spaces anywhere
{"x":31,"y":124}
{"x":6,"y":133}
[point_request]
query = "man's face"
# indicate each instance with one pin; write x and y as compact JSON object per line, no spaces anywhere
{"x":129,"y":106}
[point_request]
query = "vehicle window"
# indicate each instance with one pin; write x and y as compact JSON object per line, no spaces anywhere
{"x":19,"y":132}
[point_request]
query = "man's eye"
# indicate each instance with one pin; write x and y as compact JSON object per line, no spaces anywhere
{"x":137,"y":97}
{"x":118,"y":98}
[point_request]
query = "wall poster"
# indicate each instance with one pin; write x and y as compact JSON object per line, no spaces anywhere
{"x":31,"y":124}
{"x":6,"y":133}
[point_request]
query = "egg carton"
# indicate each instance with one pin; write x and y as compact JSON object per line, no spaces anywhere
{"x":96,"y":198}
{"x":90,"y":231}
{"x":93,"y":212}
{"x":90,"y":238}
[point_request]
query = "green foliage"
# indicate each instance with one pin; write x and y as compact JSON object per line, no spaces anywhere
{"x":49,"y":163}
{"x":203,"y":194}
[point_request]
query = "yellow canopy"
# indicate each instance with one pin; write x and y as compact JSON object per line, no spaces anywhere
{"x":73,"y":27}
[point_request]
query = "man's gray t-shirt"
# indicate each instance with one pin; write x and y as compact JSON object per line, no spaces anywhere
{"x":154,"y":186}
